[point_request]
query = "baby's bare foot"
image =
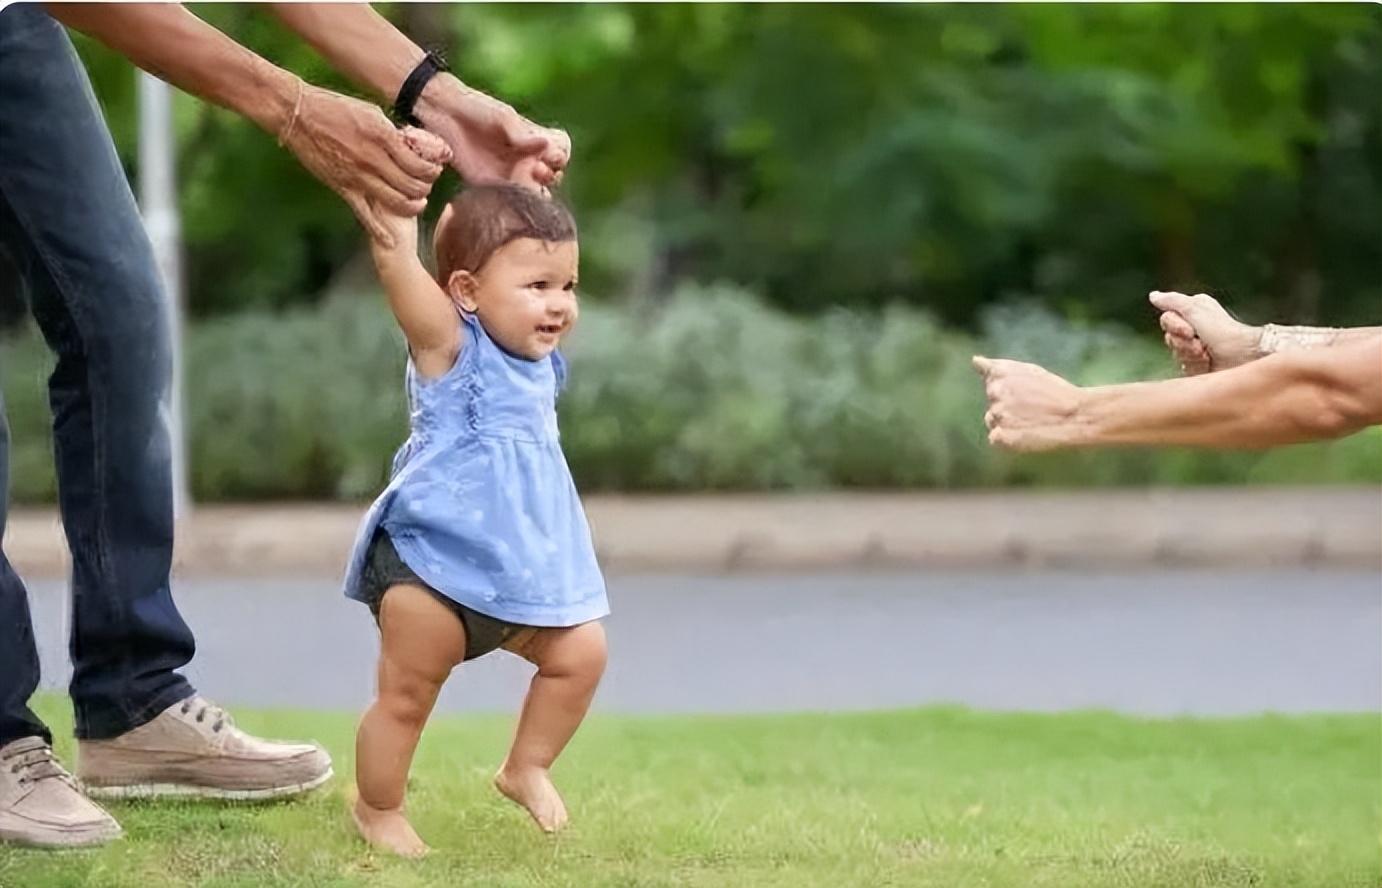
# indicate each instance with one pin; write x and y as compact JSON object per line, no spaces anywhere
{"x":387,"y":830}
{"x":532,"y":788}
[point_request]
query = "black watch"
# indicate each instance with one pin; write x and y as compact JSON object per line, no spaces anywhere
{"x":431,"y":65}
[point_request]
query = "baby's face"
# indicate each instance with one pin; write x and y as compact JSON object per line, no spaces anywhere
{"x":525,"y":295}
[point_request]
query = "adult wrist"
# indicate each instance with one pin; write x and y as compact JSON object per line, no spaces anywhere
{"x":1081,"y":427}
{"x":274,"y":97}
{"x":441,"y":97}
{"x":410,"y":92}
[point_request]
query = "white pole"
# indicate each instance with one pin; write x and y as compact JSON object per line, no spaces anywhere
{"x":159,"y":205}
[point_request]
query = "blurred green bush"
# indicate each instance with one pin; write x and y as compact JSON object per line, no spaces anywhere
{"x":707,"y":390}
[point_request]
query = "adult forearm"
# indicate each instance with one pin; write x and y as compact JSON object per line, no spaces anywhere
{"x":172,"y":44}
{"x":357,"y":41}
{"x":1283,"y":399}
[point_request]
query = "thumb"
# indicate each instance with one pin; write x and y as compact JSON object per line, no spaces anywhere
{"x":982,"y":364}
{"x":1180,"y":303}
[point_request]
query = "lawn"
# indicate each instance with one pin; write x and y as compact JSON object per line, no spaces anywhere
{"x":940,"y":797}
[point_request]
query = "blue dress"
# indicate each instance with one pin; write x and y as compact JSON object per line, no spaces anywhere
{"x":481,"y":504}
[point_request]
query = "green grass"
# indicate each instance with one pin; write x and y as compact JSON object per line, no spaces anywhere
{"x":935,"y":797}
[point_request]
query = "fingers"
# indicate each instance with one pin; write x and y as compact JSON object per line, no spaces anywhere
{"x":402,"y":183}
{"x":558,"y":153}
{"x":1192,"y":356}
{"x":427,"y":147}
{"x":1000,"y":435}
{"x":1182,"y":339}
{"x":1186,"y":348}
{"x":539,"y":174}
{"x":531,"y":172}
{"x":549,"y":148}
{"x":1190,"y":353}
{"x":409,"y":157}
{"x":375,"y":226}
{"x":382,"y":199}
{"x":540,"y":158}
{"x":1174,"y":324}
{"x":994,"y":390}
{"x":561,"y":147}
{"x":387,"y":198}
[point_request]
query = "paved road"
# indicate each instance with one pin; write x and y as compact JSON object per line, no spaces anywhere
{"x":1154,"y":643}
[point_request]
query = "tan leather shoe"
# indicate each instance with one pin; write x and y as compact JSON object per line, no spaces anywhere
{"x":192,"y":749}
{"x":40,"y":804}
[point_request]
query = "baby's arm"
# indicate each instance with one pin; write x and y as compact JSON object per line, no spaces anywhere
{"x":422,"y":308}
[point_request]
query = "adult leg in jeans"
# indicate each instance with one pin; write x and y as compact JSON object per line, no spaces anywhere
{"x":18,"y":655}
{"x":70,"y":222}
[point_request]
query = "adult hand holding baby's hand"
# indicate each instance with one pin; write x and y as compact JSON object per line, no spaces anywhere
{"x":490,"y":141}
{"x":356,"y":151}
{"x":429,"y":147}
{"x":398,"y":231}
{"x":1202,"y":335}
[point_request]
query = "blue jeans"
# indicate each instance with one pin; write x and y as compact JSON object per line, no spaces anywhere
{"x":70,"y":225}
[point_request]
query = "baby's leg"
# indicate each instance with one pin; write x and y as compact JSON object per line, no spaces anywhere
{"x":421,"y":641}
{"x":569,"y":665}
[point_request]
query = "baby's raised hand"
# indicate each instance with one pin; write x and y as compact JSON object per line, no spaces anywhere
{"x":401,"y":230}
{"x":427,"y":146}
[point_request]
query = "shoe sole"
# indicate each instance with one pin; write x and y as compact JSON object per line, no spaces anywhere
{"x":189,"y":791}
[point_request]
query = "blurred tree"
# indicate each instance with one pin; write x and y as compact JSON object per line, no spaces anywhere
{"x":946,"y":156}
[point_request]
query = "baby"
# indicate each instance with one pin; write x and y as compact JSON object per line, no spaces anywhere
{"x":479,"y":541}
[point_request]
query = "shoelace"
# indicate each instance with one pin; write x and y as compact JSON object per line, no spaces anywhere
{"x":204,"y":708}
{"x":35,"y":764}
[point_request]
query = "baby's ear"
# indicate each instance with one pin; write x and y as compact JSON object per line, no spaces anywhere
{"x":462,"y":287}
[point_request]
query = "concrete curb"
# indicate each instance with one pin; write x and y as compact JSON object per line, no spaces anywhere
{"x":1223,"y":527}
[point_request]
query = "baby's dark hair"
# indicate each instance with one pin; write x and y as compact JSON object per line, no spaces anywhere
{"x":480,"y":220}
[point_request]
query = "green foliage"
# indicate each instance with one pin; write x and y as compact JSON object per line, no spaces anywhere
{"x":711,"y":390}
{"x":944,"y":156}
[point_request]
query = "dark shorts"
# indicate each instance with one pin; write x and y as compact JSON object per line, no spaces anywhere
{"x":384,"y":568}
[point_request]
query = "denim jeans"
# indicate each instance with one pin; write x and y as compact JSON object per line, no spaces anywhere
{"x":70,"y":226}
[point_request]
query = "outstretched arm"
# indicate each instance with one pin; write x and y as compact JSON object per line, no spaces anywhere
{"x":346,"y":143}
{"x":490,"y":141}
{"x":1282,"y":399}
{"x":357,"y":41}
{"x":422,"y":308}
{"x":1203,"y":336}
{"x":174,"y":45}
